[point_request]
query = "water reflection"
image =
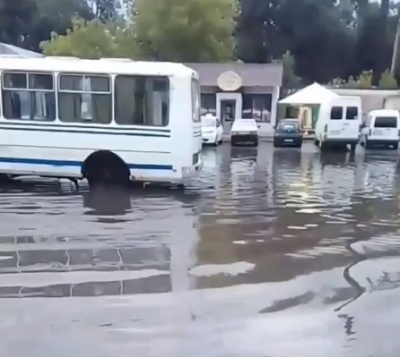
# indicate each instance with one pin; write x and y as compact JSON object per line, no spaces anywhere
{"x":115,"y":252}
{"x":281,"y":238}
{"x":107,"y":201}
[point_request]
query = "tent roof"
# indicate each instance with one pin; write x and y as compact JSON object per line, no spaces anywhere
{"x":313,"y":94}
{"x":14,"y":51}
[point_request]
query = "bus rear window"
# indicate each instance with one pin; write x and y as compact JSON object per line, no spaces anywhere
{"x":351,"y":113}
{"x":385,"y":122}
{"x":337,"y":113}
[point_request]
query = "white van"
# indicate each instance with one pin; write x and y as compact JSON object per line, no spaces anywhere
{"x":211,"y":130}
{"x":339,"y":122}
{"x":381,"y":128}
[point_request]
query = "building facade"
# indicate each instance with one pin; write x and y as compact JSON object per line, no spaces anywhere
{"x":240,"y":90}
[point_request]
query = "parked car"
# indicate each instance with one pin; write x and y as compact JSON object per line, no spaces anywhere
{"x":288,"y":133}
{"x":381,"y":128}
{"x":211,"y":130}
{"x":244,"y":131}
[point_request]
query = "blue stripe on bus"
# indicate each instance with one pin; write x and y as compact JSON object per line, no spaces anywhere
{"x":85,"y":131}
{"x":77,"y":163}
{"x":108,"y":127}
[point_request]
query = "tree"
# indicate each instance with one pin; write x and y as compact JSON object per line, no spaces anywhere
{"x":105,"y":10}
{"x":290,"y":80}
{"x":321,"y":43}
{"x":255,"y":31}
{"x":16,"y":19}
{"x":365,"y":80}
{"x":185,"y":30}
{"x":91,"y":39}
{"x":55,"y":16}
{"x":387,"y":81}
{"x":318,"y":33}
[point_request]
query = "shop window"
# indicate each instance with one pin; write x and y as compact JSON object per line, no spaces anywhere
{"x":208,"y":103}
{"x":257,"y":106}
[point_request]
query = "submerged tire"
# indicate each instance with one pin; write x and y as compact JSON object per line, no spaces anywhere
{"x":105,"y":168}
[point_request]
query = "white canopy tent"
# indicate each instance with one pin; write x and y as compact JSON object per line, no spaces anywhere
{"x":7,"y":50}
{"x":313,"y":94}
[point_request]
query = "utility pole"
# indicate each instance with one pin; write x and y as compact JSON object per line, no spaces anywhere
{"x":395,"y":49}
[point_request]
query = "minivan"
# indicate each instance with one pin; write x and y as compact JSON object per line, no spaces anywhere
{"x":339,"y":122}
{"x":381,"y":128}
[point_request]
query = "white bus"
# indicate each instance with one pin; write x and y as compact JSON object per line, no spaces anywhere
{"x":106,"y":120}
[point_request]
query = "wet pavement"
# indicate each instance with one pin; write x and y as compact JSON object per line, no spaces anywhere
{"x":273,"y":252}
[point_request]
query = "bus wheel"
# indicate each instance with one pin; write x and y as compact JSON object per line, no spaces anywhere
{"x":105,"y":168}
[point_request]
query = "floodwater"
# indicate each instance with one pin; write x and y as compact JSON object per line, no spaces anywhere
{"x":273,"y":252}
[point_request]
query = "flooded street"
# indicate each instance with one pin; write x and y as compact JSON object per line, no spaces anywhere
{"x":273,"y":252}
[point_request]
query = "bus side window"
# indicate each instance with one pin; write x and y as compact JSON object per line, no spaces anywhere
{"x":142,"y":100}
{"x":28,"y":96}
{"x":84,"y":98}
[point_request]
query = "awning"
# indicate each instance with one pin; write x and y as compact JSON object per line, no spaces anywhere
{"x":313,"y":94}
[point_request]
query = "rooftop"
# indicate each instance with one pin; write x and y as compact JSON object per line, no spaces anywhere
{"x":252,"y":74}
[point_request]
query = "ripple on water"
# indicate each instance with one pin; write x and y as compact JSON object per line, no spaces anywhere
{"x":267,"y":232}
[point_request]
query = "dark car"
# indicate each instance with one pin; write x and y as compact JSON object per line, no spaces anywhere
{"x":288,"y":133}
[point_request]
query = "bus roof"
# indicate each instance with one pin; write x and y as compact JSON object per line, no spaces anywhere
{"x":98,"y":66}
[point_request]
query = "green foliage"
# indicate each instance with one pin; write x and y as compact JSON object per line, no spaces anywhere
{"x":171,"y":30}
{"x":185,"y":30}
{"x":16,"y":20}
{"x":290,"y":80}
{"x":365,"y":80}
{"x":92,"y":39}
{"x":105,"y":10}
{"x":387,"y":81}
{"x":61,"y":12}
{"x":326,"y":39}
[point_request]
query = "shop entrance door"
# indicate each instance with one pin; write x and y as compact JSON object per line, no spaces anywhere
{"x":229,"y":108}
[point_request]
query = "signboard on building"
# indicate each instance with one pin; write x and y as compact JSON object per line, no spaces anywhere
{"x":229,"y":81}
